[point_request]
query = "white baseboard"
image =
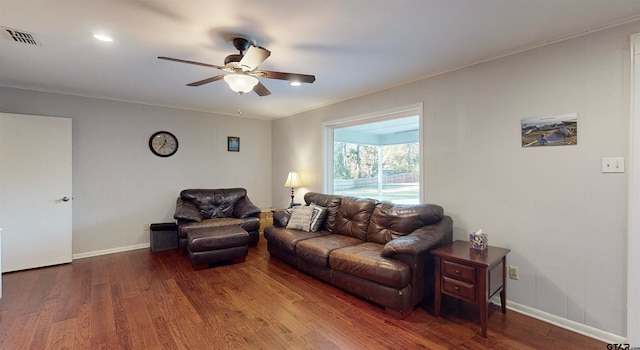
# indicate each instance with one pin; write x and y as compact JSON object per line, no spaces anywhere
{"x":110,"y":251}
{"x":567,"y":324}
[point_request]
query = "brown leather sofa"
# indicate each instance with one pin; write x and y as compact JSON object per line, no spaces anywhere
{"x":379,"y":251}
{"x":203,"y":209}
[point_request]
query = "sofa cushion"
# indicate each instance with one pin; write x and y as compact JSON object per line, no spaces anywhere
{"x":287,"y":239}
{"x":364,"y":261}
{"x":353,"y":217}
{"x":316,"y":250}
{"x":329,"y":201}
{"x":214,"y":203}
{"x":389,"y":221}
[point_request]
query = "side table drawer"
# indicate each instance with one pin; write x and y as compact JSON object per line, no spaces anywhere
{"x":458,"y":271}
{"x":459,"y":289}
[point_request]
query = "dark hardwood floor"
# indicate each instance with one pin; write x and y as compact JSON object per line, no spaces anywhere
{"x":145,"y":300}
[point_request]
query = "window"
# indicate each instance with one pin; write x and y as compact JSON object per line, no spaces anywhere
{"x":376,"y":157}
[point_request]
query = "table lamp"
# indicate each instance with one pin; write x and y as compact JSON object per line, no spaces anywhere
{"x":293,"y":181}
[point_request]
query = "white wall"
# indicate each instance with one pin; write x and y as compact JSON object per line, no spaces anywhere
{"x":564,"y":221}
{"x":119,"y":185}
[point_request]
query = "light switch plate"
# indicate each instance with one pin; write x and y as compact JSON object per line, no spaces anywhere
{"x":613,"y":165}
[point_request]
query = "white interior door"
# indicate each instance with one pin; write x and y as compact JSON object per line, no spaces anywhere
{"x":35,"y":191}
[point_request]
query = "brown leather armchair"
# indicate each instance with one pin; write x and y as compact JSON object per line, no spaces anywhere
{"x":199,"y":209}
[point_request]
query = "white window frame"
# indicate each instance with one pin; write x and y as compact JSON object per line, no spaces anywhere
{"x":400,"y":112}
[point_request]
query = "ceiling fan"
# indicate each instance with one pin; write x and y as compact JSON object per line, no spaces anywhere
{"x":243,"y":69}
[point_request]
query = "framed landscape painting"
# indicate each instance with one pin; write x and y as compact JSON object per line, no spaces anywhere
{"x":550,"y":130}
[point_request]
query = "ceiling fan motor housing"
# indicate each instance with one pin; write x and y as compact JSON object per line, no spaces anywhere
{"x":241,"y":44}
{"x":233,"y":59}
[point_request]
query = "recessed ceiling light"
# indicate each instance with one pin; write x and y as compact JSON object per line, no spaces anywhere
{"x":102,"y":37}
{"x":295,"y":83}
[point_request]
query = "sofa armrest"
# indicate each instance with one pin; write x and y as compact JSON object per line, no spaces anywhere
{"x":422,"y":240}
{"x":281,"y":218}
{"x":245,"y":208}
{"x":186,"y":211}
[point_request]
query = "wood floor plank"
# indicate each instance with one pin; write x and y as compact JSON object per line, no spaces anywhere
{"x":83,"y":329}
{"x":140,"y":324}
{"x":123,"y":326}
{"x":76,"y":290}
{"x":100,"y":266}
{"x":317,"y":340}
{"x":42,"y":325}
{"x":145,"y":300}
{"x":563,"y":335}
{"x":39,"y":295}
{"x":102,"y":319}
{"x":18,"y":285}
{"x":62,"y":335}
{"x":20,"y":332}
{"x":162,"y":330}
{"x":120,"y":272}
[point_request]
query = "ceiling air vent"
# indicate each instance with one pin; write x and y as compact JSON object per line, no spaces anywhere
{"x":19,"y":36}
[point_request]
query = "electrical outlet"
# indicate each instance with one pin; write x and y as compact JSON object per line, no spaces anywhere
{"x":513,"y":273}
{"x":146,"y":227}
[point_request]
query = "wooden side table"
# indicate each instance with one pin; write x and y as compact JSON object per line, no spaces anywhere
{"x":471,"y":275}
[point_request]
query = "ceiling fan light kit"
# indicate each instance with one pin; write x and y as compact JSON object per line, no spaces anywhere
{"x":241,"y":83}
{"x":243,"y":70}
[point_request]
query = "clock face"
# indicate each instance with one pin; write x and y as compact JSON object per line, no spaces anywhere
{"x":163,"y":144}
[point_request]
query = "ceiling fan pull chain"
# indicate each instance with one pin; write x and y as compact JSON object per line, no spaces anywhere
{"x":239,"y":108}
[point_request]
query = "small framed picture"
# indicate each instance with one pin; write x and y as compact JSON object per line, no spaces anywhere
{"x":233,"y":144}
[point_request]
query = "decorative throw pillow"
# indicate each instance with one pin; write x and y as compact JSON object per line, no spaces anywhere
{"x":318,"y":217}
{"x":300,"y":218}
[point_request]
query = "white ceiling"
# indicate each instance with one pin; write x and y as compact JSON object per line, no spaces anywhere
{"x":353,"y":47}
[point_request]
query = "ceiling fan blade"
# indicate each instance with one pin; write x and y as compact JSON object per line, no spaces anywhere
{"x":190,"y":62}
{"x":253,"y":57}
{"x":261,"y":90}
{"x":303,"y":78}
{"x":206,"y":81}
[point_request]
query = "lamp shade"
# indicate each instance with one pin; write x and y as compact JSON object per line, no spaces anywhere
{"x":293,"y":180}
{"x":241,"y":82}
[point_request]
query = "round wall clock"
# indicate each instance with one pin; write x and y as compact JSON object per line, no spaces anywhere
{"x":163,"y":144}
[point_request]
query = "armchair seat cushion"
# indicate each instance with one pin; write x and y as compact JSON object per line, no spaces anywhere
{"x":249,"y":224}
{"x":364,"y":261}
